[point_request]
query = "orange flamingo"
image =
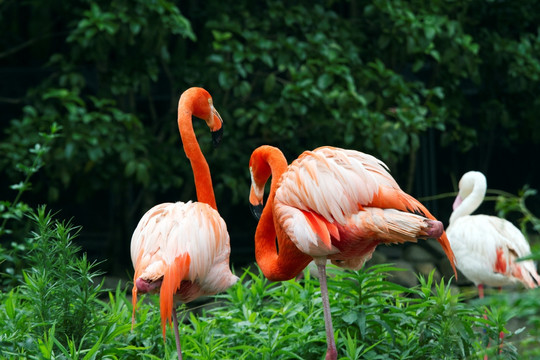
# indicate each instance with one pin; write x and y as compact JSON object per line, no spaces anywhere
{"x":182,"y":249}
{"x":333,"y":204}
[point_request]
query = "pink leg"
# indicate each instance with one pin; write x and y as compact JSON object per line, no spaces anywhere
{"x":177,"y":334}
{"x":331,"y":352}
{"x":481,"y":291}
{"x":501,"y":334}
{"x":481,"y":296}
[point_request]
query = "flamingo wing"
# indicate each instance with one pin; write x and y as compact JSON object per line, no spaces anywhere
{"x":327,"y":192}
{"x":332,"y":182}
{"x":487,"y":249}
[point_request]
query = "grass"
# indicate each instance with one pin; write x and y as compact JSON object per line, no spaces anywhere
{"x":61,"y":311}
{"x":53,"y":307}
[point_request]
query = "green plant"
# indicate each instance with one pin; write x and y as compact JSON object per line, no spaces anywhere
{"x":12,"y":255}
{"x":374,"y":319}
{"x":510,"y":203}
{"x":257,"y":319}
{"x":56,"y":311}
{"x":16,"y":209}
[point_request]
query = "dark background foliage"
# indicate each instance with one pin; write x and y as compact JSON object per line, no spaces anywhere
{"x":433,"y":88}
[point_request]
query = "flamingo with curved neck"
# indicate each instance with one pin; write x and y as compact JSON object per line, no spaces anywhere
{"x":487,"y":247}
{"x":330,"y":204}
{"x":182,"y":249}
{"x":268,"y":161}
{"x":197,"y":102}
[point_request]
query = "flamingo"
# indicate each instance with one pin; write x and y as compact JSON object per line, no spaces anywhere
{"x":487,"y":247}
{"x":330,"y":204}
{"x":182,"y":249}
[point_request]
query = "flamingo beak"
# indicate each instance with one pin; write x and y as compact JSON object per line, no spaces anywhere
{"x":255,"y":203}
{"x":256,"y":210}
{"x":217,"y":129}
{"x":457,"y":202}
{"x":256,"y":194}
{"x":217,"y":136}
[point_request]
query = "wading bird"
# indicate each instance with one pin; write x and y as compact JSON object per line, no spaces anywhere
{"x":333,"y":204}
{"x":182,"y":249}
{"x":487,"y":247}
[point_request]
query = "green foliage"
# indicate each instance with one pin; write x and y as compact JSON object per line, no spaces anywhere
{"x":523,"y":308}
{"x":373,"y":319}
{"x":15,"y":210}
{"x":58,"y":312}
{"x":370,"y":75}
{"x":114,"y":52}
{"x":13,"y":244}
{"x":509,"y":203}
{"x":303,"y":76}
{"x":95,"y":132}
{"x":145,"y":27}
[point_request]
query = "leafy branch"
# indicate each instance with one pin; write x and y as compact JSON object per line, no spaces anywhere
{"x":16,"y":209}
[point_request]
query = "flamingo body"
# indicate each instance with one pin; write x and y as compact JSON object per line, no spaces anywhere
{"x":342,"y":203}
{"x":487,"y":247}
{"x":182,"y":249}
{"x":335,"y":204}
{"x":193,"y":231}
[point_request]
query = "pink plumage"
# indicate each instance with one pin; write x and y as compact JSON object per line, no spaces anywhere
{"x":182,"y":249}
{"x":334,"y":204}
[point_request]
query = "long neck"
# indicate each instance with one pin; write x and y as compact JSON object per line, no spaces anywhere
{"x":289,"y":261}
{"x":469,"y":203}
{"x":201,"y":171}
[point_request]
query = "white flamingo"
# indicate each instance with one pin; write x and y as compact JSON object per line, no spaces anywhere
{"x":487,"y":247}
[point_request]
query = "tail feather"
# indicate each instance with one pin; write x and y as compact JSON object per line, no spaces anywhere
{"x":390,"y":198}
{"x":526,"y":273}
{"x":174,"y":274}
{"x":134,"y":290}
{"x":134,"y":302}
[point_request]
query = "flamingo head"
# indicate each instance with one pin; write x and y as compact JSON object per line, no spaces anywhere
{"x":471,"y":183}
{"x":203,"y":108}
{"x":265,"y":161}
{"x":260,"y":172}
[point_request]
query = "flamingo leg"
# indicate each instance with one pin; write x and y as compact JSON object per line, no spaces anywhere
{"x":481,"y":291}
{"x":331,"y":352}
{"x":481,"y":296}
{"x":501,"y":334}
{"x":177,"y":335}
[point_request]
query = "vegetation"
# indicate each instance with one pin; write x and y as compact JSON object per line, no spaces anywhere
{"x":89,"y":91}
{"x":60,"y":311}
{"x":433,"y":88}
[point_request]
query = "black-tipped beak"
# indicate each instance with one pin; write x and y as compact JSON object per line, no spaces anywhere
{"x":256,"y":210}
{"x":217,"y":136}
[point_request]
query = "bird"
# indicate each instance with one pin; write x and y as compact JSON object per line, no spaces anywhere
{"x":487,"y":247}
{"x":181,"y":249}
{"x":330,"y":204}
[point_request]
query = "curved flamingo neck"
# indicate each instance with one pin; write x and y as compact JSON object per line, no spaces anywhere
{"x":289,"y":261}
{"x":201,"y":171}
{"x":472,"y":201}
